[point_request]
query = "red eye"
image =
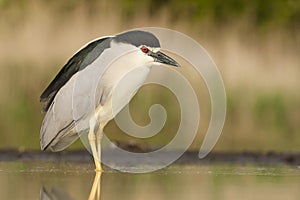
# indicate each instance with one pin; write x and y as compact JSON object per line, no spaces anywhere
{"x":145,"y":49}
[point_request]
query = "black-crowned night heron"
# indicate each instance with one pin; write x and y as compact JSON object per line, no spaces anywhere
{"x":59,"y":129}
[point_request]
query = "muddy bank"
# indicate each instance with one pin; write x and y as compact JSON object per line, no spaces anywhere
{"x":190,"y":157}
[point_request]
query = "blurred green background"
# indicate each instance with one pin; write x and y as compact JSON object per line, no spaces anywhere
{"x":255,"y":44}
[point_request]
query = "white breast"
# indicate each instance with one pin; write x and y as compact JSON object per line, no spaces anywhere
{"x":121,"y":81}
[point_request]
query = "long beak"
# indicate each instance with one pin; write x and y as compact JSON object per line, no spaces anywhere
{"x":163,"y":58}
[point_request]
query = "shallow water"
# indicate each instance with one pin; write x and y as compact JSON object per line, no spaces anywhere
{"x":44,"y":180}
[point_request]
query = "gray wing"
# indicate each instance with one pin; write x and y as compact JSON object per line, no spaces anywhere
{"x":60,"y":126}
{"x":78,"y":62}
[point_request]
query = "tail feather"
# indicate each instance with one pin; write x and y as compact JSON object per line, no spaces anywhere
{"x":56,"y":139}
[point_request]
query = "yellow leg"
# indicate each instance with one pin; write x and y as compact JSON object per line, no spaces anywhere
{"x":92,"y":141}
{"x":98,"y":141}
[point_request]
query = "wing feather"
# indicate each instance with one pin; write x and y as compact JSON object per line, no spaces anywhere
{"x":79,"y":61}
{"x":59,"y":128}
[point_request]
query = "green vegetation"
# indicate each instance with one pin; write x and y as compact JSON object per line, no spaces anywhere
{"x":262,"y":13}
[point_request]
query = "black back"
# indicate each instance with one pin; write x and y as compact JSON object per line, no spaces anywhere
{"x":78,"y":62}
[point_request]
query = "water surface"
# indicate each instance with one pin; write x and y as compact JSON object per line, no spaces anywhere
{"x":59,"y":180}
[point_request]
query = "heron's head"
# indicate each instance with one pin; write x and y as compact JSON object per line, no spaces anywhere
{"x":158,"y":56}
{"x":148,"y":45}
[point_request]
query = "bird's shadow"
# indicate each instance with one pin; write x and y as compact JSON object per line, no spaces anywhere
{"x":59,"y":194}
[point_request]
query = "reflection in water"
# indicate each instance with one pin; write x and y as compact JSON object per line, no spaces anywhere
{"x":96,"y":188}
{"x":60,"y":180}
{"x":54,"y":194}
{"x":59,"y":194}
